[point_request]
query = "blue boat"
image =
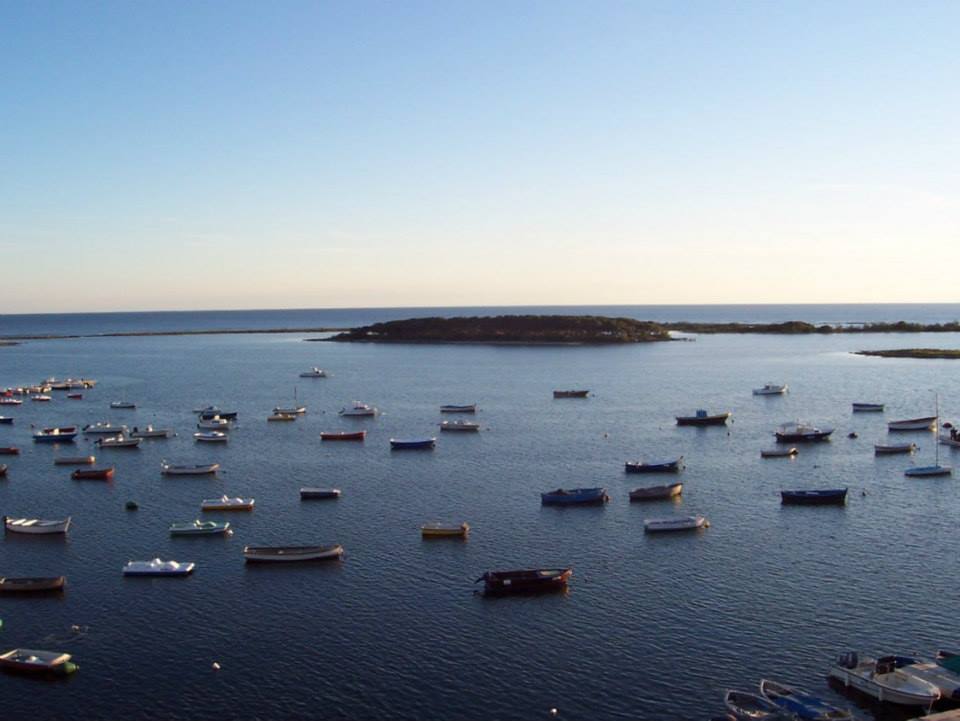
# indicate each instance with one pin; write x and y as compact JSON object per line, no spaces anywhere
{"x":673,"y":466}
{"x":574,"y":496}
{"x":832,"y":496}
{"x":802,"y":704}
{"x":65,"y":434}
{"x":399,"y":444}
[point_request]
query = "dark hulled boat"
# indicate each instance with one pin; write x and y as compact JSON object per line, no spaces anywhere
{"x":32,"y":585}
{"x":829,"y":497}
{"x":343,"y":436}
{"x":93,"y":474}
{"x":702,"y":418}
{"x":673,"y":466}
{"x":570,"y":394}
{"x":538,"y":580}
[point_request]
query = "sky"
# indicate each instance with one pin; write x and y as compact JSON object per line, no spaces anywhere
{"x":207,"y":154}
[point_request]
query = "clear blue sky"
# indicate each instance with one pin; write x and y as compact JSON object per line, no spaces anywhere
{"x":308,"y":154}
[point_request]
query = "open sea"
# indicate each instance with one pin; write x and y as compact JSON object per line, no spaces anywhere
{"x":651,"y":627}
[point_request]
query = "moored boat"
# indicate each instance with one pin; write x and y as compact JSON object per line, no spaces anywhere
{"x":801,"y":703}
{"x":8,"y":401}
{"x":868,"y":407}
{"x":211,"y":437}
{"x":771,"y":389}
{"x":779,"y":452}
{"x":574,"y":496}
{"x":125,"y":405}
{"x":210,"y":412}
{"x":196,"y":469}
{"x":881,"y":679}
{"x":199,"y":528}
{"x":104,"y":428}
{"x":274,"y":417}
{"x":934,"y":470}
{"x":537,"y":580}
{"x":6,"y":420}
{"x":927,"y":423}
{"x":826,"y":497}
{"x":412,"y":444}
{"x":42,"y":398}
{"x":941,"y":674}
{"x":744,"y":706}
{"x":32,"y":585}
{"x":226,"y":503}
{"x":151,"y":432}
{"x":359,"y":409}
{"x":291,"y":554}
{"x":674,"y":523}
{"x":25,"y":660}
{"x":445,"y":530}
{"x":75,"y":396}
{"x":93,"y":474}
{"x":213,"y":424}
{"x":289,"y":411}
{"x":319,"y":493}
{"x":74,"y":460}
{"x":118,"y":442}
{"x":672,"y":466}
{"x":314,"y":373}
{"x":702,"y":418}
{"x":3,"y":470}
{"x":471,"y":408}
{"x":156,"y":567}
{"x":36,"y":526}
{"x":461,"y":426}
{"x":571,"y":394}
{"x":892,"y":449}
{"x":343,"y":436}
{"x":798,"y":431}
{"x":57,"y":434}
{"x":656,"y":493}
{"x":9,"y":451}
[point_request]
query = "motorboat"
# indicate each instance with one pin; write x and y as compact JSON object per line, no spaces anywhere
{"x":36,"y":526}
{"x":57,"y":434}
{"x":319,"y":493}
{"x":8,"y":401}
{"x":343,"y":436}
{"x":314,"y":373}
{"x":471,"y":408}
{"x":195,"y":469}
{"x":799,"y":432}
{"x":359,"y":409}
{"x":211,"y":437}
{"x":779,"y":452}
{"x":25,"y":660}
{"x":537,"y":580}
{"x":105,"y":428}
{"x":225,"y":503}
{"x":927,"y":423}
{"x":445,"y":530}
{"x":771,"y":389}
{"x":32,"y":585}
{"x":881,"y":679}
{"x":672,"y":466}
{"x":93,"y":474}
{"x":832,"y":496}
{"x":801,"y":703}
{"x":942,"y":675}
{"x":119,"y":442}
{"x":74,"y":460}
{"x":888,"y":449}
{"x":200,"y":528}
{"x":274,"y":417}
{"x":151,"y":432}
{"x":412,"y":444}
{"x":702,"y":418}
{"x":574,"y":496}
{"x":467,"y":426}
{"x":156,"y":567}
{"x":868,"y":407}
{"x":571,"y":394}
{"x":209,"y":412}
{"x":41,"y":398}
{"x":674,"y":523}
{"x":656,"y":493}
{"x":290,"y":554}
{"x":213,"y":424}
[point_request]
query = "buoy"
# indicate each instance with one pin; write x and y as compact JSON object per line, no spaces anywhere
{"x":852,"y":434}
{"x":216,"y":666}
{"x":132,"y":505}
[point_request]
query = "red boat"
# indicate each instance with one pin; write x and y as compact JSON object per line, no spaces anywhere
{"x":92,"y":474}
{"x":75,"y":396}
{"x":538,"y":580}
{"x":344,"y":436}
{"x":10,"y":451}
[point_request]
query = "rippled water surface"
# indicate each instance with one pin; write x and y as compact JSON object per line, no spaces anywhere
{"x":652,"y":627}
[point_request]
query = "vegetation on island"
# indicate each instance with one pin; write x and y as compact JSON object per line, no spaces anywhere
{"x":525,"y":329}
{"x":797,"y":327}
{"x":912,"y":353}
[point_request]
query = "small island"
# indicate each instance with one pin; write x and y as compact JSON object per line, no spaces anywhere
{"x":912,"y":353}
{"x":510,"y":329}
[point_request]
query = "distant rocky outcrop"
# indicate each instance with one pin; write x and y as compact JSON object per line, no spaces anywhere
{"x":912,"y":353}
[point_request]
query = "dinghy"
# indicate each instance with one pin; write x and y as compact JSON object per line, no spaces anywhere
{"x":291,"y":554}
{"x":314,"y":373}
{"x":319,"y":493}
{"x":676,"y":523}
{"x":211,"y":437}
{"x":771,"y":389}
{"x":359,"y":409}
{"x":93,"y":474}
{"x":445,"y":530}
{"x":343,"y":436}
{"x":927,"y":423}
{"x":197,"y":469}
{"x":801,"y":703}
{"x":156,"y":567}
{"x":412,"y":444}
{"x":24,"y":660}
{"x":472,"y":408}
{"x":574,"y":496}
{"x":126,"y":405}
{"x":32,"y":585}
{"x":656,"y":493}
{"x":36,"y":526}
{"x":673,"y":466}
{"x":571,"y":394}
{"x":868,"y":407}
{"x":104,"y":428}
{"x":225,"y":503}
{"x":122,"y":442}
{"x":537,"y":580}
{"x":459,"y":426}
{"x":213,"y":424}
{"x":751,"y":707}
{"x":199,"y":528}
{"x":887,"y":450}
{"x":779,"y":452}
{"x":9,"y":451}
{"x":833,"y":496}
{"x":151,"y":432}
{"x":798,"y":431}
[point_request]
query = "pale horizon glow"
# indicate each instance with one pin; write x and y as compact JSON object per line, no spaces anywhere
{"x":243,"y":155}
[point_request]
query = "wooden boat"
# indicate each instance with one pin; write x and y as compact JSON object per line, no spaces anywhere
{"x":751,"y":707}
{"x":656,"y":493}
{"x":104,"y":428}
{"x":412,"y":444}
{"x":25,"y":660}
{"x":32,"y":585}
{"x":291,"y":554}
{"x":537,"y":580}
{"x":197,"y":469}
{"x":570,"y":394}
{"x":199,"y":528}
{"x":9,"y":451}
{"x":574,"y":496}
{"x":273,"y":417}
{"x":93,"y":474}
{"x":674,"y":523}
{"x":343,"y":436}
{"x":886,"y":450}
{"x":225,"y":503}
{"x":359,"y":409}
{"x":36,"y":526}
{"x":771,"y":389}
{"x":314,"y":373}
{"x":119,"y":442}
{"x":213,"y":424}
{"x":57,"y":434}
{"x":467,"y":426}
{"x":156,"y":567}
{"x":779,"y":452}
{"x":6,"y":420}
{"x":472,"y":408}
{"x":927,"y":423}
{"x":445,"y":530}
{"x":319,"y":493}
{"x":211,"y":437}
{"x":124,"y":405}
{"x":833,"y":496}
{"x":74,"y":460}
{"x":801,"y":703}
{"x":151,"y":432}
{"x":881,"y":679}
{"x":868,"y":407}
{"x":674,"y":466}
{"x":702,"y":418}
{"x":801,"y":432}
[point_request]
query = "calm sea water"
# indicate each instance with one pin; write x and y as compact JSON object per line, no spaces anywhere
{"x":652,"y":627}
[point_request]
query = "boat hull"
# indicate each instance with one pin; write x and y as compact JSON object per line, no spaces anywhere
{"x":505,"y":583}
{"x":927,"y":423}
{"x":36,"y":527}
{"x":719,"y":419}
{"x":344,"y":436}
{"x":666,"y":467}
{"x":291,"y":554}
{"x":32,"y":585}
{"x":657,"y":493}
{"x":831,"y":497}
{"x":319,"y":493}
